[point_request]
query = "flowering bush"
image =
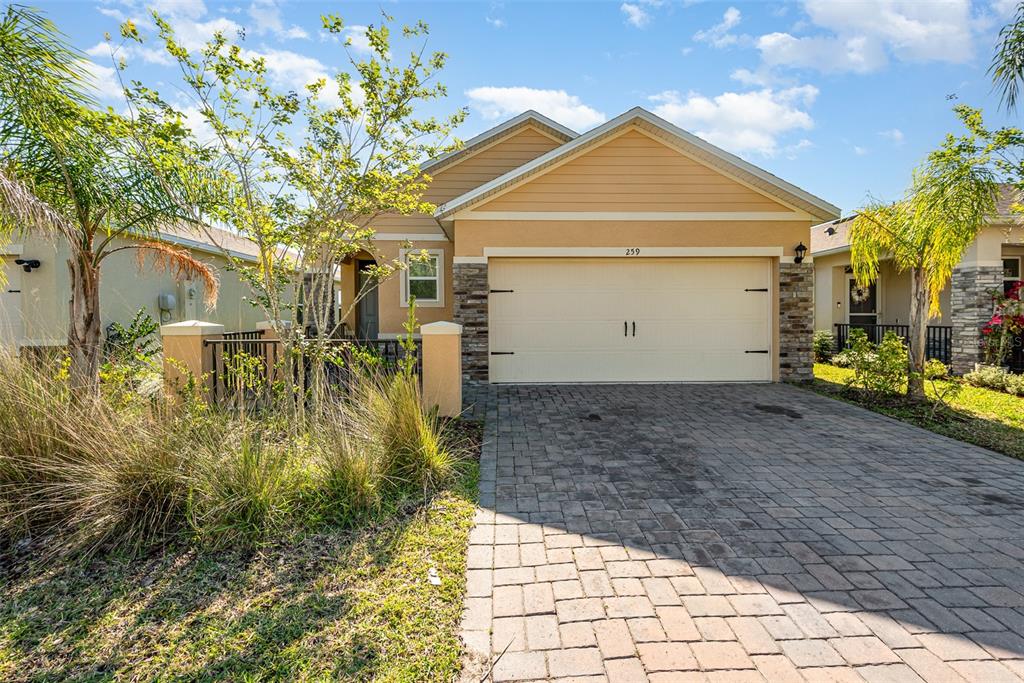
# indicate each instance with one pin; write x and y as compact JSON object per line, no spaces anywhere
{"x":1006,"y":322}
{"x":880,"y":370}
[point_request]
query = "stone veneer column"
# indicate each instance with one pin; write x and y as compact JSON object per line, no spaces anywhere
{"x":970,"y":309}
{"x":469,"y":308}
{"x":796,"y":322}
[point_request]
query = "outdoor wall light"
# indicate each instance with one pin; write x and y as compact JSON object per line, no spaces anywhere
{"x":800,"y":251}
{"x":27,"y":264}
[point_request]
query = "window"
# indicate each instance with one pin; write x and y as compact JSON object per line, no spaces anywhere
{"x":424,"y":278}
{"x":1011,"y":272}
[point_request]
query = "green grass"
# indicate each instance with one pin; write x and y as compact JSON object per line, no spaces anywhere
{"x":983,"y":417}
{"x":353,"y":605}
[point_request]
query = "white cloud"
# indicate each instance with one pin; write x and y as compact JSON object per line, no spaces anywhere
{"x":494,"y":103}
{"x":760,"y":78}
{"x":266,"y":18}
{"x":103,"y":81}
{"x":635,"y":14}
{"x":861,"y":36}
{"x":496,"y":23}
{"x":718,"y":35}
{"x":356,"y":38}
{"x":194,"y":35}
{"x":859,"y":151}
{"x":179,"y":9}
{"x":895,"y":135}
{"x":130,"y":52}
{"x":740,"y":122}
{"x":857,"y":53}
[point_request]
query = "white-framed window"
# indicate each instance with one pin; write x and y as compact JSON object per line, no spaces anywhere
{"x":1011,"y":271}
{"x":423,"y":278}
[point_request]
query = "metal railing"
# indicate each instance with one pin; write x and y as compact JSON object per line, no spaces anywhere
{"x":245,"y":364}
{"x":938,"y":340}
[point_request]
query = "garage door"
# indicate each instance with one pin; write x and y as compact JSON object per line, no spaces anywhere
{"x":630,"y":320}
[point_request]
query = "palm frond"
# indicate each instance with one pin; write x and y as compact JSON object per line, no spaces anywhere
{"x":20,"y":206}
{"x":1007,"y":67}
{"x":182,"y":265}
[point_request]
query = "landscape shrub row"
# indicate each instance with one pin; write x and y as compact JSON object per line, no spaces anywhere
{"x":124,"y":470}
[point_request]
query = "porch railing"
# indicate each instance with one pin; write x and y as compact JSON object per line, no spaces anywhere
{"x":938,"y":341}
{"x":243,"y":363}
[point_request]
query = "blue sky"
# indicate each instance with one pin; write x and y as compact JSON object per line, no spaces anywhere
{"x":841,"y":97}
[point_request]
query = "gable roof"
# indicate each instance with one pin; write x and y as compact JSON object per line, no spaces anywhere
{"x":707,"y":153}
{"x":529,"y":117}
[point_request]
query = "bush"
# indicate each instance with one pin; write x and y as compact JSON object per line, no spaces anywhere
{"x":843,"y":359}
{"x":824,"y":346}
{"x":97,"y":472}
{"x":1014,"y":384}
{"x":988,"y":377}
{"x":879,"y":370}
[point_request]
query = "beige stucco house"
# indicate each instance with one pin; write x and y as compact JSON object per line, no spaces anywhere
{"x":994,"y":261}
{"x":34,"y":300}
{"x":633,"y":252}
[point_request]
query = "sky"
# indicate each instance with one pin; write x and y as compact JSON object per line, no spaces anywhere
{"x":840,"y":97}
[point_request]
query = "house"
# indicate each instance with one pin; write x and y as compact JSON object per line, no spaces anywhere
{"x":993,"y":262}
{"x":635,"y":252}
{"x":34,"y":300}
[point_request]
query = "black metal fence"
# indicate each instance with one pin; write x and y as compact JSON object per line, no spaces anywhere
{"x":938,"y":338}
{"x":244,"y":365}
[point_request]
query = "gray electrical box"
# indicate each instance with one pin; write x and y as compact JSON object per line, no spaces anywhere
{"x":166,"y":302}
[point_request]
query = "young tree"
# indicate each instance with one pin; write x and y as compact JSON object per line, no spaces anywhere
{"x":66,"y":171}
{"x":927,"y":232}
{"x":308,"y":205}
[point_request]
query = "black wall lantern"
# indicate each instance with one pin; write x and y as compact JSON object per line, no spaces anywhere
{"x":27,"y":264}
{"x":800,"y":251}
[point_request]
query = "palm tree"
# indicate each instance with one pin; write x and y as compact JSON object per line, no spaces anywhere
{"x":926,"y":234}
{"x":1007,"y":68}
{"x":67,"y":171}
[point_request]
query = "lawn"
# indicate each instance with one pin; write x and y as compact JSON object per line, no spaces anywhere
{"x":986,"y":418}
{"x":353,"y":605}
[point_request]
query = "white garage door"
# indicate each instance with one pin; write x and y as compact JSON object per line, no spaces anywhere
{"x":630,"y":320}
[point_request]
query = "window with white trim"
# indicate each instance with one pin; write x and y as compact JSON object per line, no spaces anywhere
{"x":423,"y":277}
{"x":1011,"y":272}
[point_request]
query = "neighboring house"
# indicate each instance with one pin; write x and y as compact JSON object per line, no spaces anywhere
{"x":34,"y":304}
{"x":993,"y":262}
{"x":633,"y":252}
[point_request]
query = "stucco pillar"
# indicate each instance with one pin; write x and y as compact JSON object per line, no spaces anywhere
{"x":469,"y":308}
{"x":185,"y":354}
{"x":970,"y":308}
{"x":442,"y":367}
{"x":796,"y":322}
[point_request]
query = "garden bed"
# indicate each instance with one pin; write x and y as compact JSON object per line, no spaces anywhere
{"x":983,"y":417}
{"x":352,"y":604}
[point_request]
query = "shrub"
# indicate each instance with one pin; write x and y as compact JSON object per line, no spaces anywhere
{"x":98,"y":472}
{"x":879,"y":370}
{"x":824,"y":346}
{"x":988,"y":377}
{"x":843,"y":359}
{"x":1014,"y":384}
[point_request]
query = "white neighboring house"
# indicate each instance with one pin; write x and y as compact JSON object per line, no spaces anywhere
{"x":34,"y":300}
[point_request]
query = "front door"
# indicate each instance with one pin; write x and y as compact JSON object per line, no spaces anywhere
{"x":863,"y":306}
{"x":367,"y":309}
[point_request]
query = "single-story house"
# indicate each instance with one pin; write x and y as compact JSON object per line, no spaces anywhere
{"x":993,"y":262}
{"x":34,"y":300}
{"x":634,"y":252}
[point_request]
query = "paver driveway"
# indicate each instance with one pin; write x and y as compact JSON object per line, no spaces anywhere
{"x":670,"y":532}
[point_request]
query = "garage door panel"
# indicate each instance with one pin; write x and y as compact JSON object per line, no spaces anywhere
{"x":694,"y":322}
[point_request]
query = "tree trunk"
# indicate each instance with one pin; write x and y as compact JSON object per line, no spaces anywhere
{"x":84,"y":338}
{"x":918,"y":332}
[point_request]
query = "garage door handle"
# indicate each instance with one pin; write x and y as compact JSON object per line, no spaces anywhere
{"x":14,"y":291}
{"x":757,"y":351}
{"x":502,"y":291}
{"x":756,"y":289}
{"x":503,"y":353}
{"x":634,"y":328}
{"x":625,"y":328}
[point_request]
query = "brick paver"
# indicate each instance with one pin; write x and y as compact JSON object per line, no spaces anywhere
{"x":697,"y":532}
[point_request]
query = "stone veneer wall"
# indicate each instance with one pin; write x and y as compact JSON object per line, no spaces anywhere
{"x":470,"y":289}
{"x":970,"y":309}
{"x":796,"y":322}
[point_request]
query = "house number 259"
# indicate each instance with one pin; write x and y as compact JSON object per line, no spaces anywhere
{"x":633,"y":251}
